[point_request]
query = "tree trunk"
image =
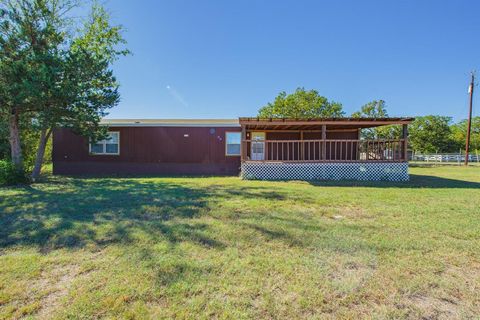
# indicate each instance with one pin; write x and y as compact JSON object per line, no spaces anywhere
{"x":37,"y":169}
{"x":14,"y":138}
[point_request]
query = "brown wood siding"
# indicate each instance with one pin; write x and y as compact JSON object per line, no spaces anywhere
{"x":145,"y":150}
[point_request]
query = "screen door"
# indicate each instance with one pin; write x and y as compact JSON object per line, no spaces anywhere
{"x":258,"y":146}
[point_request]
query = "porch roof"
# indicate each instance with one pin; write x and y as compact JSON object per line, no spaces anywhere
{"x":316,"y":123}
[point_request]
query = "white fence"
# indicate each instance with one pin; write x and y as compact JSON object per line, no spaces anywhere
{"x":446,"y":157}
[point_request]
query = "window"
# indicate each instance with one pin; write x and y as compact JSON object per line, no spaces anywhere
{"x":233,"y":143}
{"x":111,"y":145}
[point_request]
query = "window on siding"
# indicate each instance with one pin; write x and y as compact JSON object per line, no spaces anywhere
{"x":233,"y":143}
{"x":111,"y":145}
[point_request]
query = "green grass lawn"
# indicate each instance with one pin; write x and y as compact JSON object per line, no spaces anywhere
{"x":202,"y":248}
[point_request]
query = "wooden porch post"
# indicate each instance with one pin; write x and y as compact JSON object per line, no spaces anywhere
{"x":243,"y":145}
{"x":359,"y":135}
{"x":302,"y":155}
{"x":405,"y":142}
{"x":324,"y":142}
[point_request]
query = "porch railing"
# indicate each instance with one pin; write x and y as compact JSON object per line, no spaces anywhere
{"x":324,"y":150}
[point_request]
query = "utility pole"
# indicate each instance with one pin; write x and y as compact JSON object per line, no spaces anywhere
{"x":469,"y":126}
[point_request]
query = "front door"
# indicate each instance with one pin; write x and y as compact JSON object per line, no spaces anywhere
{"x":258,"y":146}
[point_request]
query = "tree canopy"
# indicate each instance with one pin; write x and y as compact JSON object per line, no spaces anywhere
{"x":459,"y":133}
{"x":431,"y":134}
{"x":301,"y":104}
{"x":373,"y":109}
{"x":56,"y":70}
{"x":377,"y":109}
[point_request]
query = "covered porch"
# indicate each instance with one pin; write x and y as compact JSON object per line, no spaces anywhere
{"x":321,"y":149}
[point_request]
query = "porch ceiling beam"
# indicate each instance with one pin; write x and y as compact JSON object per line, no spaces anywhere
{"x":311,"y":123}
{"x":284,"y":129}
{"x":348,"y":122}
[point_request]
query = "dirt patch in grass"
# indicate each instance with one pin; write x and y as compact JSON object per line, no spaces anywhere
{"x":54,"y":285}
{"x":350,"y":213}
{"x":58,"y":280}
{"x":435,"y":308}
{"x":456,"y":302}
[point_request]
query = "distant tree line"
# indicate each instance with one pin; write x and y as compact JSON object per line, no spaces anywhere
{"x":427,"y":134}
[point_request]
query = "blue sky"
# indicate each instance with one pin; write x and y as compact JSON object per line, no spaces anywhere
{"x":224,"y":59}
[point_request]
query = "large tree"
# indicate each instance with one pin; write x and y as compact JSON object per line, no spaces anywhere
{"x":4,"y":142}
{"x":377,"y":109}
{"x":431,"y":134}
{"x":459,"y":134}
{"x":19,"y":73}
{"x":61,"y":70}
{"x":301,"y":104}
{"x":29,"y":136}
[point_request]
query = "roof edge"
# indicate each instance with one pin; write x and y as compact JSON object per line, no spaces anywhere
{"x":249,"y":120}
{"x":170,"y":122}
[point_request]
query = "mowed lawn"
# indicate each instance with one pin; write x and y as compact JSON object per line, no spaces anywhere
{"x":216,"y":247}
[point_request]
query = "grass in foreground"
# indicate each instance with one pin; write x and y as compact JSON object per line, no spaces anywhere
{"x":226,"y":248}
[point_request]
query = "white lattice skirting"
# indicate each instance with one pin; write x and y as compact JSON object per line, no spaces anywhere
{"x":389,"y":171}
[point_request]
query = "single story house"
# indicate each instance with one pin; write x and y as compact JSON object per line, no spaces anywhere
{"x":267,"y":149}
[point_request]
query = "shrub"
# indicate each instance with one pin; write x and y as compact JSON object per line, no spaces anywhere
{"x":9,"y":174}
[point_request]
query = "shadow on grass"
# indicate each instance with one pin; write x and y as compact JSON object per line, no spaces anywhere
{"x":74,"y":213}
{"x":80,"y":212}
{"x":416,"y":181}
{"x":102,"y":212}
